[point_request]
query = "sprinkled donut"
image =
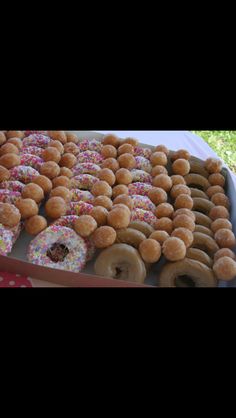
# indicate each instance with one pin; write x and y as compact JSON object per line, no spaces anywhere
{"x":83,"y":181}
{"x":30,"y":160}
{"x":90,"y":145}
{"x":8,"y":196}
{"x":79,"y":208}
{"x":14,"y":186}
{"x":28,"y":133}
{"x":84,"y":195}
{"x":141,"y":176}
{"x":6,"y":240}
{"x":144,"y":164}
{"x":142,"y":152}
{"x":139,"y":188}
{"x":143,"y":202}
{"x":86,"y":168}
{"x":59,"y":248}
{"x":90,"y":157}
{"x":143,"y":216}
{"x":37,"y":140}
{"x":33,"y":151}
{"x":23,"y":174}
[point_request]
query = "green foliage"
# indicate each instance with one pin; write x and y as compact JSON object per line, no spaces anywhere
{"x":223,"y":143}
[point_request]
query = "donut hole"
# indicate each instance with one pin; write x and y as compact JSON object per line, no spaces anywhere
{"x":121,"y":272}
{"x":57,"y":252}
{"x":198,"y":187}
{"x":184,"y":281}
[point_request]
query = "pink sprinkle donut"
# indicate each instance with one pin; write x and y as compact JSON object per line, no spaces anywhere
{"x":83,"y":181}
{"x":74,"y":261}
{"x":30,"y":160}
{"x":86,"y":168}
{"x":142,"y":152}
{"x":90,"y":157}
{"x":8,"y":196}
{"x":84,"y":195}
{"x":23,"y":174}
{"x":143,"y":216}
{"x":144,"y":164}
{"x":79,"y":208}
{"x":143,"y":202}
{"x":14,"y":186}
{"x":141,"y":176}
{"x":139,"y":188}
{"x":90,"y":145}
{"x":28,"y":133}
{"x":16,"y":230}
{"x":6,"y":240}
{"x":36,"y":140}
{"x":33,"y":151}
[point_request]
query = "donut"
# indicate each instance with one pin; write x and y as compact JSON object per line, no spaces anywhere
{"x":174,"y":249}
{"x":85,"y":225}
{"x":143,"y":202}
{"x":27,"y":207}
{"x":204,"y":230}
{"x":141,"y":152}
{"x":123,"y":176}
{"x":184,"y":211}
{"x":68,"y":160}
{"x":219,"y":212}
{"x":150,"y":250}
{"x":32,"y":151}
{"x":4,"y":174}
{"x":111,"y":163}
{"x":15,"y":134}
{"x":220,"y":199}
{"x":202,"y":205}
{"x":221,"y":224}
{"x":225,"y":268}
{"x":158,"y":169}
{"x":8,"y":196}
{"x":28,"y":133}
{"x":122,"y":262}
{"x":132,"y":141}
{"x":8,"y":149}
{"x":90,"y":145}
{"x":183,"y":201}
{"x":205,"y":243}
{"x":142,"y":163}
{"x":9,"y":215}
{"x":6,"y":240}
{"x":216,"y":179}
{"x":101,"y":188}
{"x":36,"y":140}
{"x":2,"y":138}
{"x":58,"y":145}
{"x":202,"y":219}
{"x":62,"y":192}
{"x":184,"y":221}
{"x":160,"y":236}
{"x":71,"y":148}
{"x":225,"y":238}
{"x":90,"y":157}
{"x":213,"y":190}
{"x":224,"y":252}
{"x":130,"y":236}
{"x":119,"y":217}
{"x":194,"y":180}
{"x":164,"y":210}
{"x":81,"y":195}
{"x":9,"y":160}
{"x":143,"y":227}
{"x":126,"y":200}
{"x":108,"y":151}
{"x":179,"y":189}
{"x":104,"y":237}
{"x":58,"y":247}
{"x":17,"y":142}
{"x":14,"y":186}
{"x":213,"y":165}
{"x":44,"y":182}
{"x":176,"y":179}
{"x":125,"y":149}
{"x":181,"y":154}
{"x":164,"y":224}
{"x":79,"y":208}
{"x":119,"y":189}
{"x":35,"y":224}
{"x":143,"y":216}
{"x":107,"y":175}
{"x":55,"y":207}
{"x":61,"y":181}
{"x":141,"y":176}
{"x":198,"y":193}
{"x":99,"y":213}
{"x":199,"y":273}
{"x":104,"y":201}
{"x":72,"y":137}
{"x":157,"y":195}
{"x":83,"y":181}
{"x":86,"y":168}
{"x":139,"y":188}
{"x":158,"y":158}
{"x":23,"y":174}
{"x":58,"y":136}
{"x":197,"y":167}
{"x":162,"y":181}
{"x":185,"y":235}
{"x":64,"y":171}
{"x":199,"y":255}
{"x":29,"y":160}
{"x":162,"y":148}
{"x":181,"y":167}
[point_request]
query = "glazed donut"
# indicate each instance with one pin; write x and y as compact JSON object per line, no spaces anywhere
{"x":143,"y":216}
{"x":213,"y":190}
{"x":86,"y":168}
{"x":204,"y":230}
{"x":89,"y":157}
{"x":130,"y":236}
{"x":82,"y":195}
{"x":202,"y":205}
{"x":141,"y":189}
{"x":198,"y":193}
{"x":143,"y":227}
{"x":36,"y":140}
{"x":83,"y":182}
{"x":23,"y":174}
{"x":202,"y":219}
{"x":213,"y":165}
{"x":32,"y":151}
{"x":143,"y":202}
{"x":90,"y":145}
{"x":196,"y":167}
{"x":143,"y":163}
{"x":221,"y":223}
{"x":225,"y":268}
{"x":141,"y":176}
{"x":205,"y":243}
{"x":29,"y":160}
{"x":142,"y":152}
{"x":224,"y":252}
{"x":201,"y":275}
{"x":8,"y":196}
{"x":60,"y":248}
{"x":216,"y":179}
{"x":197,"y":180}
{"x":6,"y":240}
{"x":199,"y":255}
{"x":79,"y":208}
{"x":14,"y":186}
{"x":122,"y":262}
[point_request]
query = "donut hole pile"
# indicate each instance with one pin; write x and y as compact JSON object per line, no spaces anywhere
{"x":126,"y":205}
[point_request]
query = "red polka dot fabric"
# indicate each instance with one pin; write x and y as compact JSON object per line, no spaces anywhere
{"x":14,"y":280}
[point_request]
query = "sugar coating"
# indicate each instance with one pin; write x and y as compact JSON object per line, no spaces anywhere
{"x":83,"y":181}
{"x":143,"y":202}
{"x":142,"y":152}
{"x":8,"y":196}
{"x":36,"y":140}
{"x":32,"y":150}
{"x":86,"y":168}
{"x":84,"y":195}
{"x":90,"y":145}
{"x":79,"y":208}
{"x":23,"y":174}
{"x":6,"y":240}
{"x":141,"y":176}
{"x":144,"y":164}
{"x":143,"y":216}
{"x":31,"y":161}
{"x":14,"y":186}
{"x":139,"y":188}
{"x":90,"y":157}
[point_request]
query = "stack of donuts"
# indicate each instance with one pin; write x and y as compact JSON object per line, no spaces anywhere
{"x":114,"y":202}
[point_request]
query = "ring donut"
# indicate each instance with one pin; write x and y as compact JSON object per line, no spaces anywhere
{"x":130,"y":236}
{"x":199,"y":255}
{"x":86,"y":168}
{"x":201,"y":275}
{"x":30,"y":160}
{"x":89,"y":157}
{"x":83,"y":182}
{"x":33,"y":151}
{"x":197,"y":180}
{"x":28,"y":133}
{"x":139,"y":188}
{"x":143,"y":216}
{"x":143,"y":202}
{"x":143,"y":163}
{"x":202,"y":219}
{"x":143,"y":227}
{"x":8,"y":196}
{"x":198,"y":193}
{"x":202,"y":205}
{"x":90,"y":145}
{"x":51,"y":240}
{"x":205,"y":243}
{"x":14,"y":186}
{"x":81,"y":195}
{"x":141,"y":176}
{"x":23,"y":174}
{"x":204,"y":230}
{"x":196,"y":167}
{"x":122,"y":262}
{"x":79,"y":208}
{"x":142,"y":152}
{"x":36,"y":140}
{"x":6,"y":240}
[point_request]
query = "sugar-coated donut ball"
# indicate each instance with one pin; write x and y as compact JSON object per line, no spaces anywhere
{"x":111,"y":163}
{"x":179,"y":189}
{"x":108,"y":151}
{"x":157,"y":195}
{"x":99,"y":213}
{"x":160,"y":236}
{"x":55,"y":207}
{"x":72,"y":137}
{"x":104,"y":237}
{"x":132,"y":141}
{"x":220,"y":199}
{"x":213,"y":190}
{"x":64,"y":171}
{"x":174,"y":249}
{"x":150,"y":250}
{"x":125,"y":149}
{"x":123,"y":176}
{"x":158,"y":158}
{"x":2,"y":138}
{"x":44,"y":182}
{"x":51,"y":154}
{"x":122,"y":206}
{"x":221,"y":224}
{"x":216,"y":179}
{"x":15,"y":134}
{"x":164,"y":224}
{"x":68,"y":160}
{"x":104,"y":201}
{"x":71,"y":148}
{"x":219,"y":212}
{"x":111,"y":140}
{"x":9,"y":215}
{"x":101,"y":188}
{"x":162,"y":181}
{"x":162,"y":148}
{"x":9,"y":160}
{"x":35,"y":224}
{"x":58,"y":136}
{"x":4,"y":174}
{"x":107,"y":175}
{"x":62,"y":192}
{"x":17,"y":142}
{"x":181,"y":154}
{"x":27,"y":208}
{"x":119,"y":218}
{"x":164,"y":210}
{"x":185,"y":235}
{"x":184,"y":201}
{"x":213,"y":165}
{"x":177,"y":179}
{"x":184,"y":221}
{"x":185,"y":211}
{"x":50,"y":169}
{"x":8,"y":149}
{"x":127,"y":161}
{"x":181,"y":167}
{"x":58,"y":145}
{"x":158,"y":169}
{"x":125,"y":200}
{"x":225,"y":268}
{"x":61,"y":181}
{"x":119,"y":189}
{"x":224,"y":252}
{"x":33,"y":191}
{"x":225,"y":238}
{"x":85,"y":225}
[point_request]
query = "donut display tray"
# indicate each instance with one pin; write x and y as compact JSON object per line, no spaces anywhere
{"x":17,"y":263}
